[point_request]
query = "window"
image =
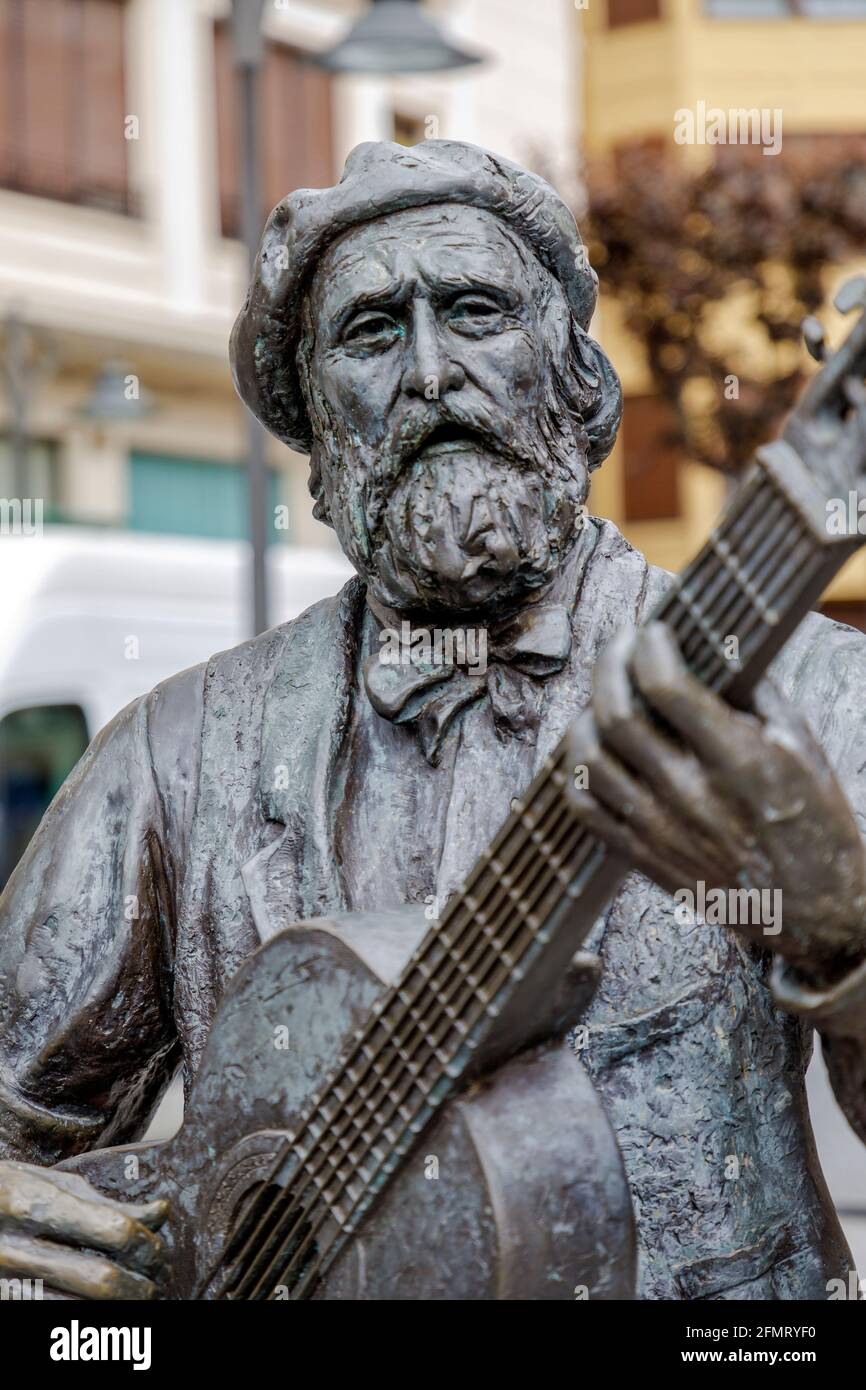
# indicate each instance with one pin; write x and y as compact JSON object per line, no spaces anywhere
{"x":408,"y":130}
{"x":632,"y":11}
{"x":747,"y":9}
{"x":295,"y":125}
{"x":652,"y":459}
{"x":786,"y":9}
{"x":39,"y":747}
{"x":41,"y":473}
{"x":196,"y":497}
{"x":62,"y":105}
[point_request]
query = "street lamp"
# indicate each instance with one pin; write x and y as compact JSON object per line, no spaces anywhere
{"x":395,"y":37}
{"x":116,"y":397}
{"x":248,"y":50}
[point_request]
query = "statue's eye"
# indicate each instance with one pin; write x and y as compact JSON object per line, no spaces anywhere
{"x":373,"y":329}
{"x":474,"y":313}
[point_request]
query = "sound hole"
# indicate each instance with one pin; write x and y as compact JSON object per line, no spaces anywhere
{"x":265,"y":1236}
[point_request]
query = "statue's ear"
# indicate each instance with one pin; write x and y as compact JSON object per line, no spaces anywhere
{"x":602,"y":413}
{"x":585,"y":380}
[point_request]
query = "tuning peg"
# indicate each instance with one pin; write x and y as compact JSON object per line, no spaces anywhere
{"x":852,"y":294}
{"x":813,"y":334}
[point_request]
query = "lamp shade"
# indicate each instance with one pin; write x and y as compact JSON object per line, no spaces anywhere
{"x":116,"y":397}
{"x":395,"y":37}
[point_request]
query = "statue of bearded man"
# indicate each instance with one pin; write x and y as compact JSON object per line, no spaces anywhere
{"x":421,"y":331}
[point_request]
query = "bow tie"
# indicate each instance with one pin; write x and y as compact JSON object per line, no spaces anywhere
{"x":424,"y":676}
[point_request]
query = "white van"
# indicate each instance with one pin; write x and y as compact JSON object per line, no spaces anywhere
{"x":91,"y":619}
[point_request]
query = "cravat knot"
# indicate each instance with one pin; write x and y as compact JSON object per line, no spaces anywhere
{"x":424,"y":675}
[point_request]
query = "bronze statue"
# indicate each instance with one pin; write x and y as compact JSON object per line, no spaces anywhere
{"x":421,"y":331}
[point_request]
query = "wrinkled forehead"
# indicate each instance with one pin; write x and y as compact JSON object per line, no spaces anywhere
{"x":447,"y":246}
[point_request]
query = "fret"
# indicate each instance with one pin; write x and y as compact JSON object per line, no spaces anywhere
{"x":738,"y":527}
{"x":742,"y":585}
{"x":803,"y":562}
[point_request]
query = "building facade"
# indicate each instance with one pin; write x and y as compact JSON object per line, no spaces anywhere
{"x":120,"y":267}
{"x":645,"y":61}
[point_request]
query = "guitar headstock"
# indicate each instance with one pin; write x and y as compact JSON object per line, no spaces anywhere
{"x":828,"y":426}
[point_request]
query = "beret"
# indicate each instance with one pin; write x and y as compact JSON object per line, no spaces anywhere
{"x":380,"y":178}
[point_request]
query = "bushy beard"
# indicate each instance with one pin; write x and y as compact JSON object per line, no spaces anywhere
{"x":430,"y":526}
{"x":467,"y":530}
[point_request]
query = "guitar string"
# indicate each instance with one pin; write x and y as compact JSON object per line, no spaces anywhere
{"x":743,"y":614}
{"x":720,"y":581}
{"x":802,"y":562}
{"x":738,"y":595}
{"x":733,"y":577}
{"x":808,"y":565}
{"x":730,"y":585}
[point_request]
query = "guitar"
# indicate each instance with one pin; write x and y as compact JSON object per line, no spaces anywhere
{"x":385,"y":1107}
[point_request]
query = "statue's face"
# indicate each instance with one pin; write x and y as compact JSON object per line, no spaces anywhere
{"x":449,"y":472}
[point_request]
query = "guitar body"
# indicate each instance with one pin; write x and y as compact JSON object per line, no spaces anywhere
{"x":515,"y":1190}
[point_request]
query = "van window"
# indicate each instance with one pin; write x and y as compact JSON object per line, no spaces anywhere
{"x":39,"y":747}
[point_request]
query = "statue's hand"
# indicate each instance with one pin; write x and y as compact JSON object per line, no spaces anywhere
{"x":691,"y":791}
{"x":55,"y":1227}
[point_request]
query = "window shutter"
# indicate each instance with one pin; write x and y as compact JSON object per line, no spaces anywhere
{"x":103,"y":148}
{"x":652,"y":457}
{"x":62,"y":100}
{"x":296,"y":127}
{"x":632,"y":11}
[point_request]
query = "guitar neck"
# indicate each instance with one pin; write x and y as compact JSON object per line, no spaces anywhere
{"x":763,"y":568}
{"x":533,"y":895}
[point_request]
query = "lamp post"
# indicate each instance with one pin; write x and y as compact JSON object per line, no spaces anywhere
{"x":248,"y":46}
{"x":27,"y":361}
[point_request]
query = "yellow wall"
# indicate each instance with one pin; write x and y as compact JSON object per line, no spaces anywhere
{"x":635,"y":78}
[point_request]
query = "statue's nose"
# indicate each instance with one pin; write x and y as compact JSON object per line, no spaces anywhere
{"x":430,"y":370}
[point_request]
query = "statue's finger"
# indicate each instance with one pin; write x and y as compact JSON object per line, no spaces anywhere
{"x":613,"y":698}
{"x":70,"y":1271}
{"x":33,"y":1204}
{"x":152,"y":1213}
{"x":723,"y":739}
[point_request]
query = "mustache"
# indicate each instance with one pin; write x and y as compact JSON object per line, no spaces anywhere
{"x":439,"y":424}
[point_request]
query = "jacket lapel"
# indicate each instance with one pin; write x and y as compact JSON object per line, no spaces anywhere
{"x":296,"y":876}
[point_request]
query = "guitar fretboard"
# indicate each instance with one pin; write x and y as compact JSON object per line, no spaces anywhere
{"x":746,"y":586}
